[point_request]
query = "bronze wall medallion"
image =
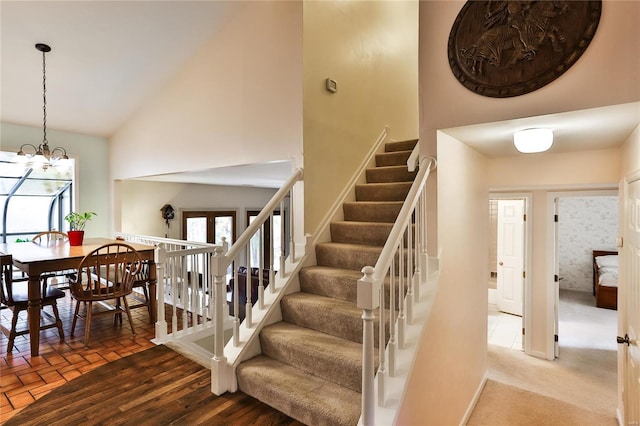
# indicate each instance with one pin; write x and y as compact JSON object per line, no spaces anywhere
{"x":502,"y":49}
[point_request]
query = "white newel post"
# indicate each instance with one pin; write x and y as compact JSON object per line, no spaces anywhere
{"x":160,"y":257}
{"x":219,"y":367}
{"x":368,"y":300}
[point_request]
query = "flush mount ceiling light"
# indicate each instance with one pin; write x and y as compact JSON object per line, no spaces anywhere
{"x":533,"y":140}
{"x":42,"y":154}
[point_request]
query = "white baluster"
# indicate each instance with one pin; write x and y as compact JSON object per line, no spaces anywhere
{"x":272,"y":272}
{"x":382,"y":370}
{"x":401,"y":297}
{"x":292,"y":250}
{"x":248,"y":305}
{"x":261,"y":268}
{"x":236,"y":306}
{"x":282,"y":239}
{"x":393,"y":342}
{"x":409,"y":272}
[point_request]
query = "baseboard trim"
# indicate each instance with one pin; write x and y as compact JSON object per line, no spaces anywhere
{"x":474,"y":401}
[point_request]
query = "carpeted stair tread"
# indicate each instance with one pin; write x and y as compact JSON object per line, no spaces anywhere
{"x":337,"y":283}
{"x":300,"y":395}
{"x":395,"y":191}
{"x":330,"y":282}
{"x":325,"y":314}
{"x":332,"y":358}
{"x":347,"y":256}
{"x":372,"y":211}
{"x":336,"y":317}
{"x":390,"y":174}
{"x":407,"y":145}
{"x":395,"y":158}
{"x":367,"y":233}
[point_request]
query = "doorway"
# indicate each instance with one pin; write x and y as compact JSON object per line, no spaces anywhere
{"x":508,"y":256}
{"x":584,"y":221}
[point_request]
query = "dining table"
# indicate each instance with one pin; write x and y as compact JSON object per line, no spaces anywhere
{"x":34,"y":259}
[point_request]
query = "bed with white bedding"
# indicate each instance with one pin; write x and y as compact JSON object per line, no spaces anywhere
{"x":605,"y":278}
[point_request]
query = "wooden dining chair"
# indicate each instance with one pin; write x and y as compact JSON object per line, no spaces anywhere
{"x":105,"y":275}
{"x":50,"y":238}
{"x":14,"y":294}
{"x":141,"y":282}
{"x":47,"y":239}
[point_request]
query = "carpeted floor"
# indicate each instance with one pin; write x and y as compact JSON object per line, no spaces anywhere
{"x":578,"y":388}
{"x":502,"y":404}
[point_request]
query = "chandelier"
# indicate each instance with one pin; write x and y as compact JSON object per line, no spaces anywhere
{"x":42,"y":154}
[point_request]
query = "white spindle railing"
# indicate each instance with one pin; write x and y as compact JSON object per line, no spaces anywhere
{"x":283,"y":199}
{"x":183,"y":273}
{"x":404,"y":262}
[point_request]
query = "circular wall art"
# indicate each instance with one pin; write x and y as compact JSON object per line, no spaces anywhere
{"x":502,"y":49}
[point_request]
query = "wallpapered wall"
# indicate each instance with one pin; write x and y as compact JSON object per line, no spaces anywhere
{"x":585,"y":224}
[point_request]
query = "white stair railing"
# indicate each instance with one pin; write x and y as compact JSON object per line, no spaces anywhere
{"x":403,"y":264}
{"x":183,"y":271}
{"x":282,"y":202}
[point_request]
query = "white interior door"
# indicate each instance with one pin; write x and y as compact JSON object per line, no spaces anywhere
{"x":556,"y":282}
{"x":510,"y":256}
{"x":631,"y":347}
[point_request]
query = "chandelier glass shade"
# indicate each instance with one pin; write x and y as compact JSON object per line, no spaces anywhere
{"x":42,"y":154}
{"x":533,"y":140}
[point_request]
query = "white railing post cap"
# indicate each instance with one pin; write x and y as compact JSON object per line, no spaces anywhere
{"x":368,"y":290}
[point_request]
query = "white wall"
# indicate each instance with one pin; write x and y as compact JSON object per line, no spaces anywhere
{"x":452,"y":355}
{"x":238,"y":101}
{"x":371,"y":49}
{"x":631,"y":153}
{"x":89,"y":152}
{"x":142,"y":201}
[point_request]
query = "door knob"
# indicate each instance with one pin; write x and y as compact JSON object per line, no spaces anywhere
{"x":624,"y":339}
{"x":500,"y":263}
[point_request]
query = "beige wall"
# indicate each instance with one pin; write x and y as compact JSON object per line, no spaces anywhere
{"x":586,"y":168}
{"x":452,"y":356}
{"x":142,"y":214}
{"x":92,"y":186}
{"x":371,"y":50}
{"x":237,"y":101}
{"x":631,"y":153}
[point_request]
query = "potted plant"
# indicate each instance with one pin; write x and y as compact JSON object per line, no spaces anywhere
{"x":77,"y":221}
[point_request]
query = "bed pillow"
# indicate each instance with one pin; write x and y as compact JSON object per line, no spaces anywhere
{"x":607,"y":261}
{"x":608,"y":270}
{"x":608,"y":279}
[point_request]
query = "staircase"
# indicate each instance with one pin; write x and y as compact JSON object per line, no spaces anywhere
{"x":311,"y":362}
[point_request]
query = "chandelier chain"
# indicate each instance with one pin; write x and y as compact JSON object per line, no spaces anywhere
{"x":44,"y":100}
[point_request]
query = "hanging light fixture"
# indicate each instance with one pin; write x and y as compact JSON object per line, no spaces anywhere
{"x":42,"y":154}
{"x":533,"y":140}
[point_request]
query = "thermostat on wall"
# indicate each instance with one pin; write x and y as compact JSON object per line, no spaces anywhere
{"x":332,"y":85}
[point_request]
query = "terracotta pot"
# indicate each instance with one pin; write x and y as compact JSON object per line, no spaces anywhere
{"x":75,"y":238}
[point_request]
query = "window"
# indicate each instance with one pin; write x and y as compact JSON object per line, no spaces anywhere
{"x":266,"y":240}
{"x":209,"y":227}
{"x":33,"y":199}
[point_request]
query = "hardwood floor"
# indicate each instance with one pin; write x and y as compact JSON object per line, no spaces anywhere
{"x":168,"y":387}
